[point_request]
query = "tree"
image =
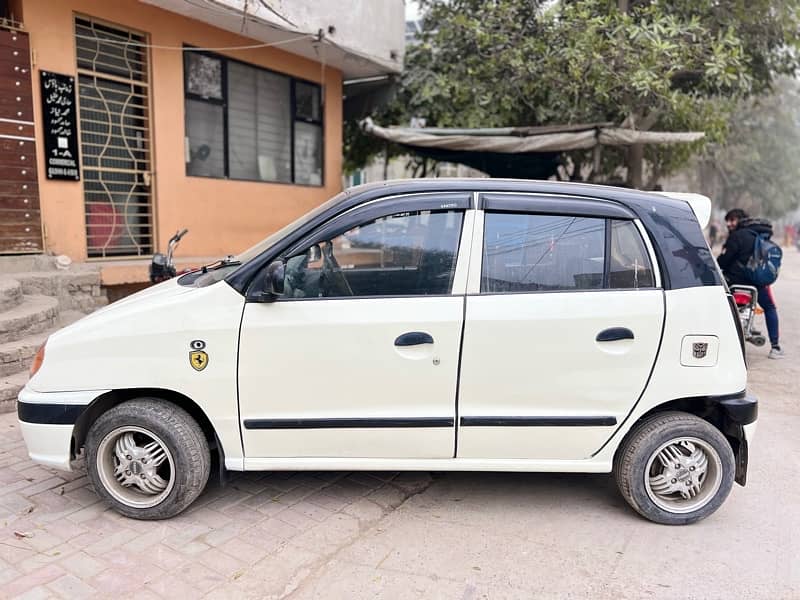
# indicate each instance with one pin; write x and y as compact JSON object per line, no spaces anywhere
{"x":648,"y":64}
{"x":757,"y":168}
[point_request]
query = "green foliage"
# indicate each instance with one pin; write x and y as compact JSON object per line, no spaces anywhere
{"x":675,"y":65}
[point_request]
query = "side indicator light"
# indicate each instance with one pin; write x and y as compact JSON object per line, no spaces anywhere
{"x":38,"y":360}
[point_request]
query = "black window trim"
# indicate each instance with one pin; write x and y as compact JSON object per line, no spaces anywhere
{"x":607,"y":227}
{"x":223,"y":102}
{"x":551,"y":204}
{"x":362,"y":213}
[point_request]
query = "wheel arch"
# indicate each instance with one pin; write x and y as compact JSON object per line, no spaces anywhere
{"x":727,"y":413}
{"x":109,"y":400}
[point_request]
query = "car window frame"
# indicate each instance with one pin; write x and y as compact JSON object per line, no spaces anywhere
{"x":382,"y":207}
{"x":564,"y":206}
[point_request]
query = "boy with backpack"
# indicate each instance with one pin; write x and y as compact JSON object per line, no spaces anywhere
{"x":749,"y":257}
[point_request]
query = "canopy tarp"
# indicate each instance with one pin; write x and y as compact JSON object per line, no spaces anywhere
{"x":528,"y":152}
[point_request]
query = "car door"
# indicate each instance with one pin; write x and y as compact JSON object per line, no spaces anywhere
{"x":359,"y":357}
{"x":563,"y":323}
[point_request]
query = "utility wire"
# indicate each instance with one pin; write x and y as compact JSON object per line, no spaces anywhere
{"x":192,"y":48}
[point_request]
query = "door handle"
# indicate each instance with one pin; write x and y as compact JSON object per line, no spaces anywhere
{"x":413,"y":338}
{"x":614,"y":334}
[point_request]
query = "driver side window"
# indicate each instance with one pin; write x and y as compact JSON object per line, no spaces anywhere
{"x":404,"y":254}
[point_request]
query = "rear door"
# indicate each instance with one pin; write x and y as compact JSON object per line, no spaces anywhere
{"x":563,"y":323}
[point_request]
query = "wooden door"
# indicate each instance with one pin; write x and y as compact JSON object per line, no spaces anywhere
{"x":20,"y":219}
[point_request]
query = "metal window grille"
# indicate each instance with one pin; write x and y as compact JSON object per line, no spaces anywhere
{"x":113,"y":94}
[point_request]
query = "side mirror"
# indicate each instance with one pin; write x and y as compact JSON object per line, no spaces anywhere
{"x":269,"y":283}
{"x":274,"y":278}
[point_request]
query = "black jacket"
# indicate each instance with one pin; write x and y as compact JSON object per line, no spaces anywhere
{"x":738,"y":249}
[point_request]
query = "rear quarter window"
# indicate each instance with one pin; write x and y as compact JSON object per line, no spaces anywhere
{"x":686,"y":258}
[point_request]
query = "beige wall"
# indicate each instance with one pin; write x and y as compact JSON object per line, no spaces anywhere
{"x":222,"y":216}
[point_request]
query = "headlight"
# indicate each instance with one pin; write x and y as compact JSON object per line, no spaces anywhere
{"x":38,"y":359}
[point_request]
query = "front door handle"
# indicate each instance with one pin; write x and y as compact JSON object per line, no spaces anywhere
{"x":413,"y":338}
{"x":614,"y":334}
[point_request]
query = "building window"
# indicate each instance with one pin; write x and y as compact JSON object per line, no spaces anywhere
{"x":245,"y":122}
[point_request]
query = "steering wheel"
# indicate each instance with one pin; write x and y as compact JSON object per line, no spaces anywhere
{"x":332,"y":269}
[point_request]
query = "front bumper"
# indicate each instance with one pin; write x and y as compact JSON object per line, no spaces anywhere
{"x":47,"y":419}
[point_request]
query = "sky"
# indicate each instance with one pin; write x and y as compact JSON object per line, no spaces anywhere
{"x":412,"y":10}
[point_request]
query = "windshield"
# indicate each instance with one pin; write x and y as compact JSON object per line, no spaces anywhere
{"x":254,"y":251}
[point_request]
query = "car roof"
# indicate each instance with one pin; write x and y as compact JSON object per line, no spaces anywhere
{"x":626,"y":196}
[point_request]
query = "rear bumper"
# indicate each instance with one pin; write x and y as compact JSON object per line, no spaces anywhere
{"x":739,"y":424}
{"x":47,"y":419}
{"x":741,"y":409}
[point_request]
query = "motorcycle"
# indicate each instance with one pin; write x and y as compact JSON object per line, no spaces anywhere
{"x":162,"y":267}
{"x":746,"y":298}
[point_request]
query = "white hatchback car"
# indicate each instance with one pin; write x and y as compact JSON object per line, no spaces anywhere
{"x":419,"y":325}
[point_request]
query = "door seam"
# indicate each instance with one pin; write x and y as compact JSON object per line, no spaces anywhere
{"x":463,"y":328}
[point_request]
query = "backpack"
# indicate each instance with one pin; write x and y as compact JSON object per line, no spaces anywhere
{"x":763,"y":266}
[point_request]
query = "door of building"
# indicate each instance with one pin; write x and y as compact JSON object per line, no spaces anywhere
{"x":113,"y":99}
{"x":20,"y":221}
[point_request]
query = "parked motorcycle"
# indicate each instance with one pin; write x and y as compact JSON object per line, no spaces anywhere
{"x":162,"y":267}
{"x":746,"y":298}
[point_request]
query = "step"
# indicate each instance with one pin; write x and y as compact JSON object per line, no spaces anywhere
{"x":10,"y":293}
{"x":33,"y":315}
{"x":27,"y":262}
{"x":18,"y":355}
{"x":10,"y":385}
{"x":75,"y":290}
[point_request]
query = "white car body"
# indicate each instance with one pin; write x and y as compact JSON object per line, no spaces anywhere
{"x":512,"y":382}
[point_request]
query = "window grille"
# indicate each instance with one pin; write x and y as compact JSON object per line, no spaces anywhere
{"x":113,"y":101}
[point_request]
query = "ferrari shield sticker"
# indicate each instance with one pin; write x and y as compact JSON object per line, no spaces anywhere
{"x":198,"y":359}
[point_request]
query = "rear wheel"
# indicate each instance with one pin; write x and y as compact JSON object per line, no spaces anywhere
{"x":148,"y":458}
{"x":675,"y":468}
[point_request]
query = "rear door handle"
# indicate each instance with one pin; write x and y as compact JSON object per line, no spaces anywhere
{"x":413,"y":338}
{"x":614,"y":334}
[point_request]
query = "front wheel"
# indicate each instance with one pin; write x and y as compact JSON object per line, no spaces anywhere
{"x":675,"y":468}
{"x":148,"y":458}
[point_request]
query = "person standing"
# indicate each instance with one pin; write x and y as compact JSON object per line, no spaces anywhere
{"x":737,"y":250}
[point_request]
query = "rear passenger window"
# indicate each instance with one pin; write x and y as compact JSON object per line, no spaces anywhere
{"x":526,"y":253}
{"x":629,"y":264}
{"x":535,"y":253}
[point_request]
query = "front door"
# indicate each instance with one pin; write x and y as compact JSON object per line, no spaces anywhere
{"x":561,"y":331}
{"x":359,"y":357}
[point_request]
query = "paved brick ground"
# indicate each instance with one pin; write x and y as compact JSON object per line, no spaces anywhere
{"x":459,"y":535}
{"x":260,"y":536}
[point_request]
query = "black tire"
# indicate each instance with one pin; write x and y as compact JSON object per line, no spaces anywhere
{"x":185,"y":465}
{"x":641,"y":446}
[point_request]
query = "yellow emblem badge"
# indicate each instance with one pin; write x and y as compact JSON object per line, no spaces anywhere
{"x":198,"y":359}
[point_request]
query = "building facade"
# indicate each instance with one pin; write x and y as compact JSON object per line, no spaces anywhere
{"x":122,"y":122}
